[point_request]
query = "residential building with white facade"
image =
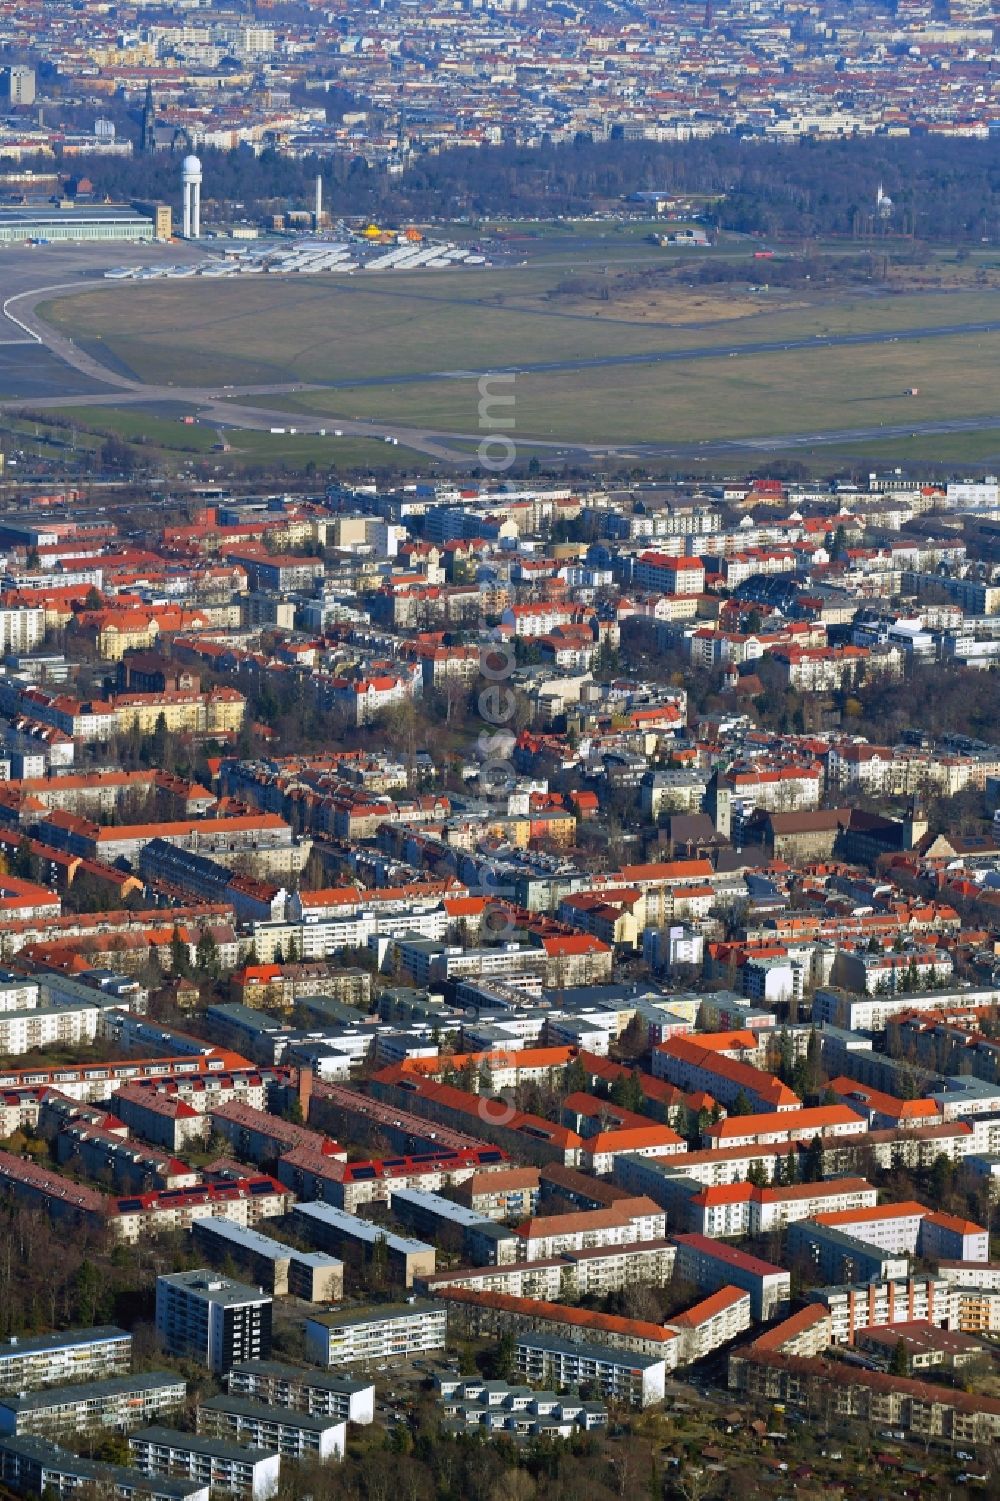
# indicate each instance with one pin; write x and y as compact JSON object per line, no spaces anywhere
{"x":384,"y":1332}
{"x":212,"y":1319}
{"x":119,"y":1402}
{"x":35,"y":1467}
{"x":716,"y":1320}
{"x":74,"y":1355}
{"x":620,"y":1376}
{"x":302,"y":1389}
{"x":295,"y":1435}
{"x":252,"y":1474}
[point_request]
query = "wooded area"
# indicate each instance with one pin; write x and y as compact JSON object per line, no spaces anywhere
{"x":943,"y":190}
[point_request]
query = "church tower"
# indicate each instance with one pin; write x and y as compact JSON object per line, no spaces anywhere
{"x":148,"y":142}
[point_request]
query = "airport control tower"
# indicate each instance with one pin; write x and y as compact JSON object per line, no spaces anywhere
{"x":191,"y":189}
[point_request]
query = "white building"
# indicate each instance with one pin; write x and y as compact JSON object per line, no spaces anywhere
{"x":619,"y":1375}
{"x":21,"y":630}
{"x":555,"y":1235}
{"x":252,"y":1474}
{"x":72,"y":1355}
{"x":716,"y":1320}
{"x":212,"y":1319}
{"x":947,"y":1237}
{"x":894,"y":1228}
{"x":268,"y":1381}
{"x":384,"y":1332}
{"x":295,"y":1435}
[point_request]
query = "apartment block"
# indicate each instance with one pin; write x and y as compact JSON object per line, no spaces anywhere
{"x":482,"y":1240}
{"x":713,"y":1322}
{"x":711,"y":1265}
{"x":242,"y":1201}
{"x":493,"y":1313}
{"x":259,"y":1137}
{"x":776,"y":1208}
{"x":687,"y":1063}
{"x":357,"y":1240}
{"x":924,"y":1409}
{"x":279,"y":1268}
{"x":736,"y":1209}
{"x":351,"y":1184}
{"x":384,"y":1332}
{"x":249,"y":1473}
{"x":629,"y":1220}
{"x":595,"y":1269}
{"x":303,"y":1389}
{"x":31,"y":1361}
{"x":785,"y":1128}
{"x":869,"y":1305}
{"x":509,"y":1194}
{"x":295,"y":1435}
{"x":894,"y":1228}
{"x":668,"y":1182}
{"x":605,"y":1269}
{"x":625,"y":1377}
{"x":805,"y":1332}
{"x":950,"y":1238}
{"x":166,"y":1120}
{"x":840,"y":1258}
{"x":131,"y":1166}
{"x":210,"y":1319}
{"x":120,"y":1402}
{"x":36,"y":1467}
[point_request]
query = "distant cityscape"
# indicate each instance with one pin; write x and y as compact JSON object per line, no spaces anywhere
{"x":411,"y":81}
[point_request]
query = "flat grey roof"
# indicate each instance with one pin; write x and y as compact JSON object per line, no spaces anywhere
{"x":306,"y":1375}
{"x":445,"y":1209}
{"x":237,"y":1235}
{"x":358,"y":1229}
{"x":40,"y":1451}
{"x":46,"y":214}
{"x":602,"y":1353}
{"x":378,"y":1313}
{"x":115,"y":1386}
{"x":213,"y":1288}
{"x":200,"y":1443}
{"x":246,"y":1407}
{"x":38,"y":1344}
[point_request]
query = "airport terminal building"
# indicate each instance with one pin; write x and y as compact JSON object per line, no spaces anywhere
{"x":92,"y":224}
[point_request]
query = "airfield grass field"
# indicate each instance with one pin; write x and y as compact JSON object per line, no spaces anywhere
{"x":438,"y":329}
{"x":166,"y":442}
{"x":801,"y":391}
{"x":280,"y":329}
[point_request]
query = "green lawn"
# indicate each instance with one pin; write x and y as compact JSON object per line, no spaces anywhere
{"x":142,"y":425}
{"x":982,"y":446}
{"x":272,"y":331}
{"x":338,"y":455}
{"x":171,"y":443}
{"x":314,"y":329}
{"x":751,"y":396}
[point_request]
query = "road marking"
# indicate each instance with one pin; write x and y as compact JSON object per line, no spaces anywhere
{"x":32,"y":338}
